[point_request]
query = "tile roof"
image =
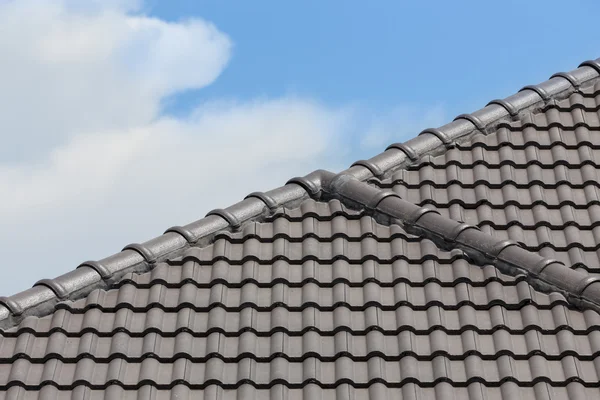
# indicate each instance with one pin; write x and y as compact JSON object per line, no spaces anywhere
{"x":336,"y":301}
{"x":534,"y":181}
{"x":460,"y":264}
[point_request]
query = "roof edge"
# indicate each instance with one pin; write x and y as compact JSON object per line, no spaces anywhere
{"x":41,"y":298}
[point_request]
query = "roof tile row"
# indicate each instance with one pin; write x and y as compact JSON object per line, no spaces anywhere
{"x":279,"y":370}
{"x":338,"y":287}
{"x":409,"y":391}
{"x":309,"y":295}
{"x":310,"y":344}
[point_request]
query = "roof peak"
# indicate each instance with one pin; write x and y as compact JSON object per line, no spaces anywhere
{"x":41,"y":298}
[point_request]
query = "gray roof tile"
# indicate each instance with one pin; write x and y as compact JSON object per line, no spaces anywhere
{"x":281,"y":296}
{"x":296,"y":347}
{"x":327,"y":373}
{"x":239,"y":317}
{"x":475,"y":390}
{"x":534,"y":181}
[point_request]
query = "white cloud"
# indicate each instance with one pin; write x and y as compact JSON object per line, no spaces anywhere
{"x":88,"y":162}
{"x":211,"y":147}
{"x":400,"y":124}
{"x":68,"y":70}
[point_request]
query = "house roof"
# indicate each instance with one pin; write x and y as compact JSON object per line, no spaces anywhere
{"x":463,"y":262}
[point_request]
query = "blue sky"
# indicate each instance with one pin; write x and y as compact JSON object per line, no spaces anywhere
{"x":124,"y":117}
{"x":380,"y":54}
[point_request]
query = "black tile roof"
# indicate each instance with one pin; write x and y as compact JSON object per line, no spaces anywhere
{"x":460,"y":264}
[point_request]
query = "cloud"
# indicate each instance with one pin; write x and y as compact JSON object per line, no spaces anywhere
{"x":211,"y":147}
{"x":399,"y":124}
{"x":74,"y":67}
{"x":89,"y":162}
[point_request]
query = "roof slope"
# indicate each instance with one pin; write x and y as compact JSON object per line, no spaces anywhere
{"x":333,"y":288}
{"x":535,"y":181}
{"x":318,"y":302}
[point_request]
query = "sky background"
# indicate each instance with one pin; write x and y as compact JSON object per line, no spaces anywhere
{"x":122,"y":118}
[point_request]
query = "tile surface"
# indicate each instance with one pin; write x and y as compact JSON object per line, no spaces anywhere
{"x":535,"y":181}
{"x":317,"y":302}
{"x":322,"y":302}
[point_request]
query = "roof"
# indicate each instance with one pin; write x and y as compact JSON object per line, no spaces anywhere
{"x":462,"y":263}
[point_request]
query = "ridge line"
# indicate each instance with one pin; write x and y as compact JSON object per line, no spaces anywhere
{"x":41,"y":298}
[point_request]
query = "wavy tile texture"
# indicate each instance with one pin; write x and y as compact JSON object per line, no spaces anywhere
{"x":319,"y":302}
{"x":535,"y":180}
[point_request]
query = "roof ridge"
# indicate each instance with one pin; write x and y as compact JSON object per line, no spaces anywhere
{"x":41,"y":298}
{"x":544,"y":274}
{"x":433,"y":141}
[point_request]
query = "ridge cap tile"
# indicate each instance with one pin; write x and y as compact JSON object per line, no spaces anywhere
{"x":507,"y":255}
{"x":296,"y":189}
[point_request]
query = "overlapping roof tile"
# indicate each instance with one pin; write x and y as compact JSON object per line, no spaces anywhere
{"x":289,"y":303}
{"x":334,"y":288}
{"x":534,"y":181}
